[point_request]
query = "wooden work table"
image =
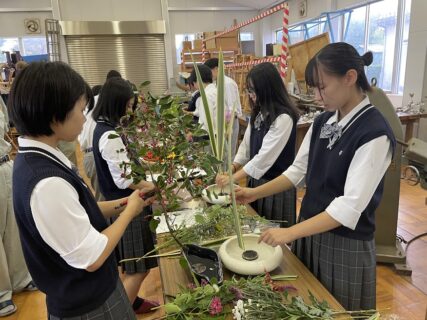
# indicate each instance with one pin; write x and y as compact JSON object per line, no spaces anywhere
{"x":409,"y":119}
{"x":173,"y":276}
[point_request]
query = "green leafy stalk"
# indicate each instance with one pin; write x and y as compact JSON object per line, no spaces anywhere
{"x":237,"y":223}
{"x":212,"y":138}
{"x":220,"y":112}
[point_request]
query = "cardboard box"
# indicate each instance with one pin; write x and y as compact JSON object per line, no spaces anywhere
{"x":233,"y":34}
{"x":186,"y":45}
{"x":277,"y":49}
{"x":197,"y":45}
{"x":210,"y":44}
{"x":227,"y":43}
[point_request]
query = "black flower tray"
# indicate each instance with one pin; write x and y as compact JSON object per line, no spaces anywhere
{"x":203,"y":262}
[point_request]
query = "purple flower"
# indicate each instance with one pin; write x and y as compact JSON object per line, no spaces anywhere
{"x":215,"y":306}
{"x":237,"y":292}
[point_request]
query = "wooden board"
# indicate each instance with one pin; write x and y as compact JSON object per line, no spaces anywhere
{"x":302,"y":52}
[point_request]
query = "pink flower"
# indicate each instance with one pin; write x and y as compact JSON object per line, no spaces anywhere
{"x":203,"y":282}
{"x":227,"y":116}
{"x":215,"y":306}
{"x":191,"y":286}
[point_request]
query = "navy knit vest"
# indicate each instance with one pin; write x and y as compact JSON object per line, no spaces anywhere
{"x":327,"y":169}
{"x":286,"y":157}
{"x":69,"y":291}
{"x":106,"y":183}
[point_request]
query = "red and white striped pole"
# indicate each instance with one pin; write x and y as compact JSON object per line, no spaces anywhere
{"x":284,"y":51}
{"x":203,"y":49}
{"x":252,"y":63}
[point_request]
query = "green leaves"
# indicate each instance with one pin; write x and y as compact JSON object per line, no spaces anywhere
{"x":211,"y":132}
{"x":113,"y":136}
{"x":153,"y":224}
{"x":171,"y":308}
{"x":220,"y":110}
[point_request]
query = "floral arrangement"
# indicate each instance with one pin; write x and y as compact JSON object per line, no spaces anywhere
{"x":253,"y":299}
{"x":221,"y":133}
{"x":156,"y":138}
{"x":212,"y":226}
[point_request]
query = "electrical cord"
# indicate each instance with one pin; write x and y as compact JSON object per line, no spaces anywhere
{"x":408,"y":242}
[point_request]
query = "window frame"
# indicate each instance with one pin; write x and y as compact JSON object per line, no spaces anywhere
{"x":343,"y":27}
{"x":21,"y":47}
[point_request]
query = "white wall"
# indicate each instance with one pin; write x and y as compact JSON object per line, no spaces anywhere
{"x":110,"y":10}
{"x":416,"y":59}
{"x":12,"y":23}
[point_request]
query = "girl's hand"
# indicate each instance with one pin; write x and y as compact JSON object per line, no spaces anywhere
{"x":222,"y":179}
{"x":245,"y":195}
{"x":135,"y":203}
{"x":276,"y":236}
{"x":146,"y":186}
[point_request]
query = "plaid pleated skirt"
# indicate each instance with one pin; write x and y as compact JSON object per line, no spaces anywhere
{"x":346,"y":267}
{"x":116,"y":307}
{"x":135,"y":242}
{"x":280,"y":206}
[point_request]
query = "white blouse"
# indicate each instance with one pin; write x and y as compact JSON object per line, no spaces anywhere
{"x":86,"y":136}
{"x":367,"y":168}
{"x":272,"y":145}
{"x":60,"y":218}
{"x":108,"y":149}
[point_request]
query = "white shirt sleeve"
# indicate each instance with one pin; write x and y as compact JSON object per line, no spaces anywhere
{"x":243,"y":156}
{"x":366,"y":170}
{"x":69,"y":233}
{"x":297,"y":171}
{"x":196,"y":112}
{"x":232,"y":96}
{"x":272,"y":145}
{"x":108,"y":149}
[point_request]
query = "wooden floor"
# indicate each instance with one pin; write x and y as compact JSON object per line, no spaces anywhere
{"x":401,"y":297}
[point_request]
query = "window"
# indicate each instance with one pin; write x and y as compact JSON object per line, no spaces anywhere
{"x":8,"y":44}
{"x":33,"y":46}
{"x":179,"y":38}
{"x":246,"y":36}
{"x":404,"y":45}
{"x":381,"y":27}
{"x":27,"y":46}
{"x":377,"y":35}
{"x":355,"y":30}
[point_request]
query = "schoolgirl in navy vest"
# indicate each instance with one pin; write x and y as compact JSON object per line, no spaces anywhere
{"x":343,"y":159}
{"x":67,"y":244}
{"x":268,"y":146}
{"x":114,"y":100}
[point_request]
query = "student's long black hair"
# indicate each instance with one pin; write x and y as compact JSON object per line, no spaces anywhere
{"x":336,"y":59}
{"x":112,"y":101}
{"x":272,"y":99}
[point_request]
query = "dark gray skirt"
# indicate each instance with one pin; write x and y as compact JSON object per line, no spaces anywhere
{"x":136,"y":241}
{"x":280,"y":206}
{"x":116,"y":307}
{"x":346,"y":267}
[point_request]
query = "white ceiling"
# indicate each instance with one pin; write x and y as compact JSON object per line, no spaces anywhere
{"x":256,"y":4}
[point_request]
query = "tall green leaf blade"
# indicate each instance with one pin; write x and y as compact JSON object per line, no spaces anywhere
{"x":220,"y":112}
{"x":237,"y":223}
{"x":212,"y":138}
